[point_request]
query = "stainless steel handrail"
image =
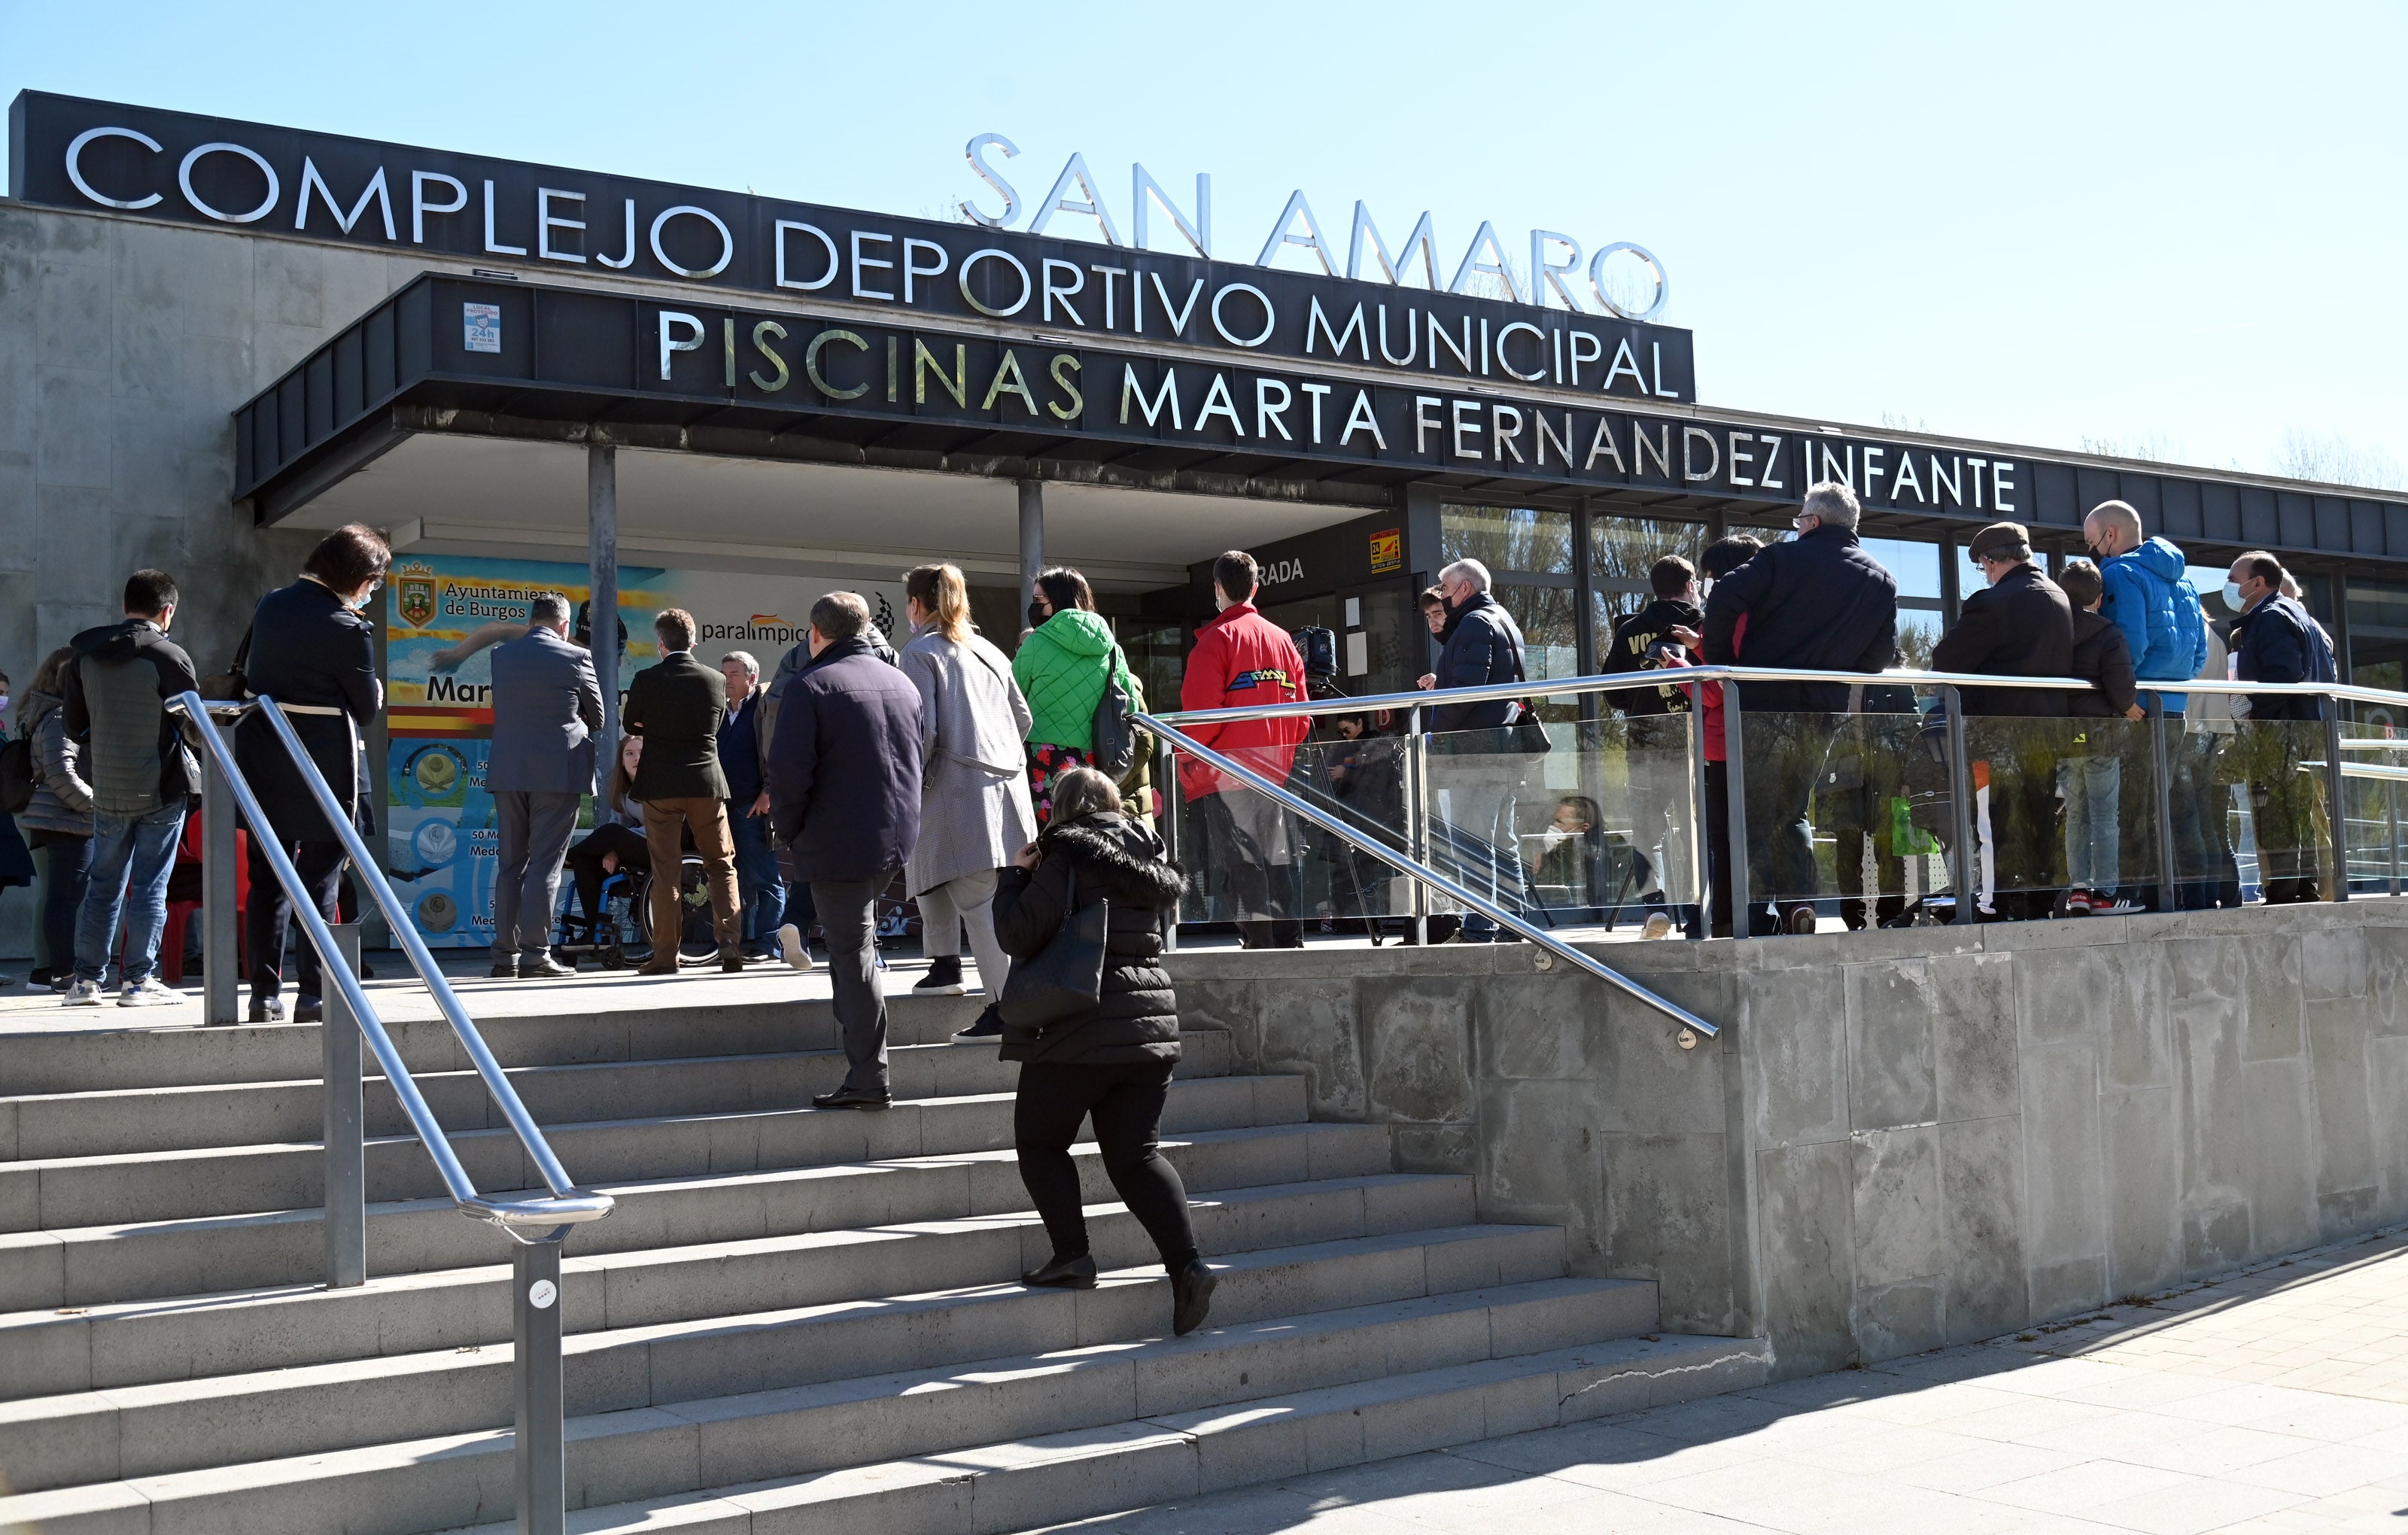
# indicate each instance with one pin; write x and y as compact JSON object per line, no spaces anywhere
{"x":1180,"y":740}
{"x":1554,"y":687}
{"x":525,"y":1220}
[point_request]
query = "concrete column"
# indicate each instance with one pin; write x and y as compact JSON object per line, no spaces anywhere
{"x":602,"y":590}
{"x":1032,"y":537}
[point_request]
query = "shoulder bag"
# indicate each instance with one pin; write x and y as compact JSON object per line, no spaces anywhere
{"x":1529,"y":736}
{"x":1113,"y":738}
{"x":1066,"y":979}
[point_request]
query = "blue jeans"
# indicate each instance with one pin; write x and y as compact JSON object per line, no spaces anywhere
{"x":761,"y":891}
{"x":132,"y":857}
{"x":2093,"y":822}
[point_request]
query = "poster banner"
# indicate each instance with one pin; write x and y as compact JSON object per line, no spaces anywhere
{"x":444,"y":615}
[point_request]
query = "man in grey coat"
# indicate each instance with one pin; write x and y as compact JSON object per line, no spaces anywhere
{"x":547,"y":710}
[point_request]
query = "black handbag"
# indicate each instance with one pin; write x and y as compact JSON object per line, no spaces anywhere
{"x":1066,"y":979}
{"x":1529,"y":737}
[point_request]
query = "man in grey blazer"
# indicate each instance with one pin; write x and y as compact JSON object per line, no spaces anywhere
{"x":546,"y":710}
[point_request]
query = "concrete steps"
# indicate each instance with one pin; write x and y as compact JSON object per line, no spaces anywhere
{"x":793,"y":1317}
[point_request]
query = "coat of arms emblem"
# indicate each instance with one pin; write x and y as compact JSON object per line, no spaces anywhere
{"x":416,"y":598}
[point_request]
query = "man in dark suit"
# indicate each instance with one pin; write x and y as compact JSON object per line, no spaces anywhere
{"x":844,"y":796}
{"x":677,"y":707}
{"x":547,"y":710}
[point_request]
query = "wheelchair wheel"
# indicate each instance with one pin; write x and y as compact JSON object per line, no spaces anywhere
{"x":697,"y":938}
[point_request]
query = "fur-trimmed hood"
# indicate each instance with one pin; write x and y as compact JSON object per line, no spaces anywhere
{"x":1128,"y":859}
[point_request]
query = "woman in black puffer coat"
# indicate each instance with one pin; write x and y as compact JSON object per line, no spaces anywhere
{"x":1113,"y":1063}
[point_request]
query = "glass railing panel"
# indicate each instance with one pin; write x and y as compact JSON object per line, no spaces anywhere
{"x":2374,"y":762}
{"x":1848,"y":812}
{"x":2268,"y":777}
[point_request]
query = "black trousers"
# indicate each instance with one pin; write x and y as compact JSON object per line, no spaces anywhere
{"x":320,"y":868}
{"x":1126,"y":1104}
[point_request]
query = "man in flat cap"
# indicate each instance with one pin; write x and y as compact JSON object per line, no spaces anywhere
{"x":2021,"y":626}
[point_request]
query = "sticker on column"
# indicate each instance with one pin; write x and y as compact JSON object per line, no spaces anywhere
{"x":541,"y":1294}
{"x":481,"y":327}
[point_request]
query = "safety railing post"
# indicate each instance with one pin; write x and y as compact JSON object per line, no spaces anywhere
{"x":1166,"y":785}
{"x":221,"y":930}
{"x":534,"y":1337}
{"x":1960,"y":808}
{"x":2334,"y":783}
{"x":1743,"y":923}
{"x":1417,"y":818}
{"x":2162,"y":760}
{"x":338,"y":1061}
{"x":1699,"y":880}
{"x":2391,"y":830}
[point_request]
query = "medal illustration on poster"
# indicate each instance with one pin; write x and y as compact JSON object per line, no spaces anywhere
{"x":446,"y":614}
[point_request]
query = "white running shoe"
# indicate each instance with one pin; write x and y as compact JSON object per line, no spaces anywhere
{"x":791,"y":944}
{"x":146,"y":993}
{"x":83,"y":993}
{"x":1659,"y":924}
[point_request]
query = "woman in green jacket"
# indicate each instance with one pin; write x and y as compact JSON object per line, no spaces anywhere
{"x":1061,"y":665}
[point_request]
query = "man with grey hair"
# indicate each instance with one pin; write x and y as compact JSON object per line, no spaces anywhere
{"x":1815,"y":602}
{"x":1477,"y":767}
{"x":2149,"y":596}
{"x":547,"y":710}
{"x":760,"y":889}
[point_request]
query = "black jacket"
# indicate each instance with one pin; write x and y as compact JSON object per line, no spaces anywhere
{"x":115,"y":704}
{"x":308,"y":649}
{"x":2276,"y":642}
{"x":1480,"y":645}
{"x":1634,"y":646}
{"x":2102,"y":654}
{"x":677,"y":707}
{"x":2021,"y":627}
{"x":1817,"y":601}
{"x":845,"y":765}
{"x":1137,"y":1018}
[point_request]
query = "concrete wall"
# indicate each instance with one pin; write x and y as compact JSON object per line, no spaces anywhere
{"x":1902,"y":1139}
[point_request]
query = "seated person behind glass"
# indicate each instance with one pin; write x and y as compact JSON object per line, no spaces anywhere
{"x":1570,"y":850}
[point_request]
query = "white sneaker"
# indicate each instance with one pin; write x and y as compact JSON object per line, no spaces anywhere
{"x":83,"y":993}
{"x":146,"y":993}
{"x":791,"y":944}
{"x":1659,"y":924}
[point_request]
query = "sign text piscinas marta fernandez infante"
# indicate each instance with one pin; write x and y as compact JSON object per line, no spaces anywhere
{"x":69,"y":152}
{"x":755,"y":361}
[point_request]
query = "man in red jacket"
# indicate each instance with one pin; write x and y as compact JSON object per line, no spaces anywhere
{"x":1244,"y":658}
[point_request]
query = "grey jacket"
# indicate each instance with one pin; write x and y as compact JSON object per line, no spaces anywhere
{"x":62,"y":800}
{"x":975,"y":811}
{"x":116,"y":707}
{"x":547,"y":710}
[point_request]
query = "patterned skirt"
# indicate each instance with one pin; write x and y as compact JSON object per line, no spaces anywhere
{"x":1046,"y":763}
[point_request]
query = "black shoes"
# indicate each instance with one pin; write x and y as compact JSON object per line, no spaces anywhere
{"x":544,"y":968}
{"x":944,"y":978}
{"x":852,"y":1097}
{"x":731,"y":960}
{"x":308,"y":1010}
{"x":1061,"y":1274}
{"x":1191,"y":1296}
{"x":504,"y":970}
{"x":989,"y":1027}
{"x":266,"y":1009}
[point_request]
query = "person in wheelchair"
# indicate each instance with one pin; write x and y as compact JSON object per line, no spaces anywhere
{"x":618,"y":849}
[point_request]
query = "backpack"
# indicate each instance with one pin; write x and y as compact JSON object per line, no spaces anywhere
{"x":1113,"y":746}
{"x":17,"y":775}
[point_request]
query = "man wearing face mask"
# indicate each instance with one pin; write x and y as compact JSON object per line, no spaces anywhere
{"x":2275,"y":640}
{"x":2021,"y":626}
{"x":313,"y":651}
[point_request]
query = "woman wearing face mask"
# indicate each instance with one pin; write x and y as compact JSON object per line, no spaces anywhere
{"x":1061,"y":668}
{"x":313,"y":650}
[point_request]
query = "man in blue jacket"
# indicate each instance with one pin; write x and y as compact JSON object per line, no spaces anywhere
{"x":2150,"y":598}
{"x":2275,"y":640}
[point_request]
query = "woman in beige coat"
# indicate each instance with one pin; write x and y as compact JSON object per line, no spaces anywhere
{"x":975,"y":811}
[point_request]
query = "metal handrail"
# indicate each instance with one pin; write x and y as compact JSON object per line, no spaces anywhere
{"x":1180,"y":740}
{"x":525,"y":1220}
{"x":1552,"y":687}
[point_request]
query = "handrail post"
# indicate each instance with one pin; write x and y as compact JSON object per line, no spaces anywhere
{"x":2339,"y":818}
{"x":2391,"y":829}
{"x":221,"y":929}
{"x":1417,"y":819}
{"x":2168,"y":897}
{"x":542,"y":1410}
{"x":1961,"y":806}
{"x":1743,"y":915}
{"x":338,"y":1061}
{"x":1701,"y":880}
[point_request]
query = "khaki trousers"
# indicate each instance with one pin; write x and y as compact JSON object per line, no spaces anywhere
{"x":705,"y":817}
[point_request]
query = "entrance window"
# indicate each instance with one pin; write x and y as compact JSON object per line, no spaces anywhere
{"x":1916,"y":566}
{"x":1507,"y":539}
{"x":1621,"y":551}
{"x":2378,"y":643}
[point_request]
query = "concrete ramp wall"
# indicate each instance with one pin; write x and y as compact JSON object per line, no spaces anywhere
{"x":1902,"y":1139}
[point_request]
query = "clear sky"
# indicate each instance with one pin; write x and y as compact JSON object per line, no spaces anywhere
{"x":2175,"y":227}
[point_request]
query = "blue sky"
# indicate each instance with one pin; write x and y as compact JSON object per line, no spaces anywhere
{"x":2177,"y":228}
